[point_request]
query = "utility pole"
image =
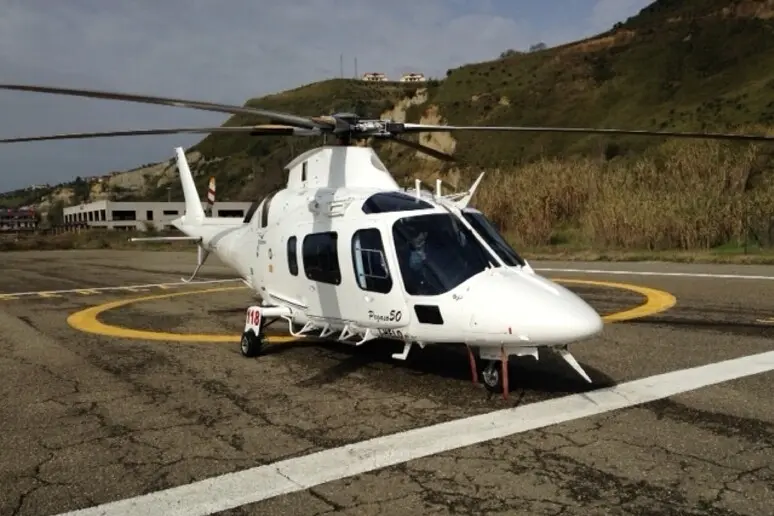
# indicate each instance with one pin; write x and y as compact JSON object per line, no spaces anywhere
{"x":356,"y":68}
{"x":341,"y":66}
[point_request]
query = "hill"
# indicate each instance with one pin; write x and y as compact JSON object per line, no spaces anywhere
{"x":682,"y":64}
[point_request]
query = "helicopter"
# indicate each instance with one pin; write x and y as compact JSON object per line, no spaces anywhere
{"x":343,"y":252}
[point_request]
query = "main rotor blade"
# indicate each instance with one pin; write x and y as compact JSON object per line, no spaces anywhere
{"x":423,"y":148}
{"x":422,"y":128}
{"x":254,"y":130}
{"x":285,"y":118}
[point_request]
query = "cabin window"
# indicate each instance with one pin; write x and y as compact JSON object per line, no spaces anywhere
{"x":321,"y":257}
{"x":369,"y":261}
{"x":303,"y":172}
{"x":293,"y":255}
{"x":384,"y":202}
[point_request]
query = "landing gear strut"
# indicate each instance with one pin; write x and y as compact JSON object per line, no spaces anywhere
{"x":495,"y":373}
{"x":257,"y":320}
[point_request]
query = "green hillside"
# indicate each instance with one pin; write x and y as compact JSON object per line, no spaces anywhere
{"x":680,"y":64}
{"x":698,"y":64}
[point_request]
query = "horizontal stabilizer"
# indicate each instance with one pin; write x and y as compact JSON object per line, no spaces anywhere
{"x":166,"y":239}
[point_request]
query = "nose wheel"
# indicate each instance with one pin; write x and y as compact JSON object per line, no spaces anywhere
{"x":495,"y":373}
{"x":492,"y":377}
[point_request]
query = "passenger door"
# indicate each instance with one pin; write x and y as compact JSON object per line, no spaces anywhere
{"x":320,"y":261}
{"x":379,"y":299}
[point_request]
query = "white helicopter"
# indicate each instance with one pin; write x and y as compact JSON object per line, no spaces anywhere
{"x":343,"y":252}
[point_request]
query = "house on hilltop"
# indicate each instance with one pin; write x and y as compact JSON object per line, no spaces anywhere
{"x":374,"y":77}
{"x":412,"y":77}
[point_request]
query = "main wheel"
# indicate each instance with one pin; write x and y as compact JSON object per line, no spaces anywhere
{"x":251,"y":344}
{"x":492,"y":377}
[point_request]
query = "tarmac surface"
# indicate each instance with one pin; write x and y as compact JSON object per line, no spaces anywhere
{"x":87,"y":419}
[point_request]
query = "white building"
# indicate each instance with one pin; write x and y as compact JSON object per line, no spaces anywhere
{"x":412,"y":77}
{"x":142,"y":215}
{"x":374,"y":77}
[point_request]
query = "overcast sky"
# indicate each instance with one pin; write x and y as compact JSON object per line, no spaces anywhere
{"x":228,"y":51}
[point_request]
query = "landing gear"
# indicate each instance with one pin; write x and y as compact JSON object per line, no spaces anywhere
{"x":495,"y":373}
{"x":493,"y":380}
{"x":251,"y":344}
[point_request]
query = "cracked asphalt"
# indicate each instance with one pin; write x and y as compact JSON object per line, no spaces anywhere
{"x":87,"y":419}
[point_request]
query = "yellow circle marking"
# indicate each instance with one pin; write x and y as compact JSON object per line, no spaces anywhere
{"x":87,"y":320}
{"x":656,"y":301}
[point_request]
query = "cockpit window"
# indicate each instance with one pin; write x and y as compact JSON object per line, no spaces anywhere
{"x":493,"y":238}
{"x":436,"y":252}
{"x":384,"y":202}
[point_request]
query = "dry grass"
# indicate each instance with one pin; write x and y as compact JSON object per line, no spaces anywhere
{"x":90,"y":239}
{"x":697,"y":201}
{"x":682,"y":196}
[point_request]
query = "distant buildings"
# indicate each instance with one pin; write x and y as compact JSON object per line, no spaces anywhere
{"x":141,"y":215}
{"x":374,"y":77}
{"x":406,"y":77}
{"x":13,"y":220}
{"x":97,"y":179}
{"x":412,"y":77}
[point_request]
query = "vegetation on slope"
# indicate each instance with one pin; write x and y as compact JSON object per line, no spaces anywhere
{"x":680,"y":64}
{"x":697,"y":195}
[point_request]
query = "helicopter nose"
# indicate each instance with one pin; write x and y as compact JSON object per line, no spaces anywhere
{"x":578,"y":322}
{"x":531,"y":309}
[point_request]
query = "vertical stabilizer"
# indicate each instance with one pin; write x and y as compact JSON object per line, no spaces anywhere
{"x":193,"y":206}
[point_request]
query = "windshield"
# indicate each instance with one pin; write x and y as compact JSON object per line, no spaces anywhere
{"x":436,"y":252}
{"x":493,"y":238}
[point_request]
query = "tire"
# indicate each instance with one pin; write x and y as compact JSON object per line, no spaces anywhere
{"x":492,"y":377}
{"x":251,"y":344}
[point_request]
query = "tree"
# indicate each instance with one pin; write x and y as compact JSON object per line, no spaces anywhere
{"x":55,"y":215}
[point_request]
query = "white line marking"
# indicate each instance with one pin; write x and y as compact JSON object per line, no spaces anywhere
{"x":94,"y":290}
{"x":253,"y":485}
{"x":653,"y":273}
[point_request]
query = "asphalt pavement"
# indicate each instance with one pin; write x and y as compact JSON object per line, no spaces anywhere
{"x":87,"y":419}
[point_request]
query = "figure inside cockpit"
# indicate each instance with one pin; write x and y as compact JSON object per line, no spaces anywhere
{"x":418,"y":251}
{"x":413,"y":248}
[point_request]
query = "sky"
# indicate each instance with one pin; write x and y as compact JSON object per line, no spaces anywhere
{"x":227,"y":52}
